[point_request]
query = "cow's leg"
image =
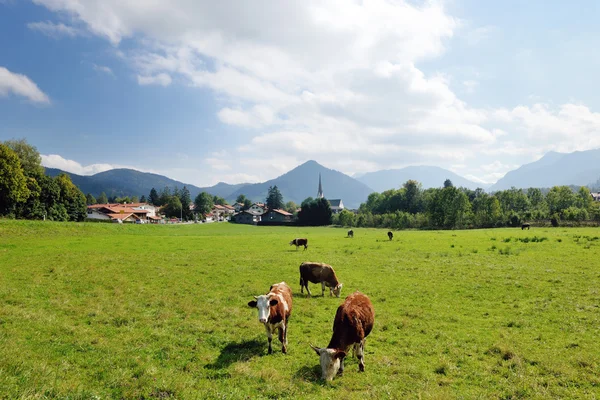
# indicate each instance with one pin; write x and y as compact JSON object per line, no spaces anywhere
{"x":323,"y":289}
{"x":307,"y":289}
{"x":283,"y":338}
{"x":360,"y":353}
{"x":269,"y":337}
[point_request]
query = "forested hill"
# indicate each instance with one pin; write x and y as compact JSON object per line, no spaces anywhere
{"x":129,"y":182}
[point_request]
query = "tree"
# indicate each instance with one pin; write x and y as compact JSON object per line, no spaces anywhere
{"x":219,"y":200}
{"x":584,"y":198}
{"x":102,"y":199}
{"x":13,"y":184}
{"x":153,"y":197}
{"x":290,"y":207}
{"x":164,"y":197}
{"x":247,"y":204}
{"x":413,"y":197}
{"x":186,"y":201}
{"x":90,"y":199}
{"x":306,"y":201}
{"x":135,"y":199}
{"x":50,"y":199}
{"x":71,"y":198}
{"x":240,"y":199}
{"x":448,"y":183}
{"x":274,"y":198}
{"x":315,"y":213}
{"x":172,"y":208}
{"x":143,"y":199}
{"x":204,"y":203}
{"x":30,"y":158}
{"x":560,"y":198}
{"x":346,"y":218}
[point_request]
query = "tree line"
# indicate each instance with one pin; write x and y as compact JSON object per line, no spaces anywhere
{"x":450,"y":207}
{"x":27,"y":192}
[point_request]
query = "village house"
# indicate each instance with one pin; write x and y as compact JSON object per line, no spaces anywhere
{"x":131,"y":212}
{"x":596,"y":196}
{"x":259,"y":208}
{"x":336,"y":205}
{"x":247,"y":217}
{"x":276,"y":215}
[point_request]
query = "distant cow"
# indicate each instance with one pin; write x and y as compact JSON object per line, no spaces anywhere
{"x":390,"y":235}
{"x":300,"y":242}
{"x":319,"y":272}
{"x":274,"y":310}
{"x":353,"y":322}
{"x":525,"y":226}
{"x":351,"y":233}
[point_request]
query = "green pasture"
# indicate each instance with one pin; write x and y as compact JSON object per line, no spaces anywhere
{"x":152,"y":312}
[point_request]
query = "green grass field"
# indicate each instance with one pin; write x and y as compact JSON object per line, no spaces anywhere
{"x":138,"y":311}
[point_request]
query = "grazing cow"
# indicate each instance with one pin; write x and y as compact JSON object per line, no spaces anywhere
{"x":274,"y":310}
{"x":351,"y":233}
{"x":353,"y":322}
{"x":525,"y":226}
{"x":300,"y":242}
{"x":390,"y":235}
{"x":319,"y":272}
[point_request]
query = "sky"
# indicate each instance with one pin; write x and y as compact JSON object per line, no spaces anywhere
{"x":243,"y":91}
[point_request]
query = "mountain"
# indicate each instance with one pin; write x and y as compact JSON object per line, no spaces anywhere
{"x":429,"y":177}
{"x":303,"y":181}
{"x":129,"y":182}
{"x":579,"y":168}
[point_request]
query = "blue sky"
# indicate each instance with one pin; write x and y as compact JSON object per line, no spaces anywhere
{"x":208,"y":91}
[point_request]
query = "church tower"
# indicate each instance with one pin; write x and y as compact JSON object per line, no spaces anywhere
{"x":320,"y":191}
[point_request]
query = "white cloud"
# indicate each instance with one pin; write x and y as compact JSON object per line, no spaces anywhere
{"x":21,"y":85}
{"x":334,"y":80}
{"x":161,"y":79}
{"x":56,"y":161}
{"x":104,"y":69}
{"x":53,"y":30}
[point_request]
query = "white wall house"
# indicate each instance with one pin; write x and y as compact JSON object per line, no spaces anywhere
{"x":258,"y":208}
{"x":337,"y":205}
{"x":93,"y":213}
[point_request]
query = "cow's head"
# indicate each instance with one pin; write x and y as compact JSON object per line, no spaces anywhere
{"x":338,"y":290}
{"x":331,"y":359}
{"x":293,"y":242}
{"x":263,"y":304}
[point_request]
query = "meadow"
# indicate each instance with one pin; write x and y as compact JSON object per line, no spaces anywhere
{"x":154,"y":312}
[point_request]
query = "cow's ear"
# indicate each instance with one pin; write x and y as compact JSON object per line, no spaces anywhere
{"x":316,"y":349}
{"x":339,"y":354}
{"x":273,"y":302}
{"x":252,"y":304}
{"x":340,"y":285}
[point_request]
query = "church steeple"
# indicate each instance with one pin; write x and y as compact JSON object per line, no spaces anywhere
{"x":320,"y":191}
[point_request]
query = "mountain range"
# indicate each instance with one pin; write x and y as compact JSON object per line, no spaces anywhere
{"x":128,"y":182}
{"x":429,"y":177}
{"x":303,"y":181}
{"x":579,"y":168}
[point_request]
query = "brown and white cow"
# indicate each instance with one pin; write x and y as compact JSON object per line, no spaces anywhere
{"x":390,"y":235}
{"x":300,"y":242}
{"x":274,"y":310}
{"x":319,"y":273}
{"x":351,"y":233}
{"x":353,"y":322}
